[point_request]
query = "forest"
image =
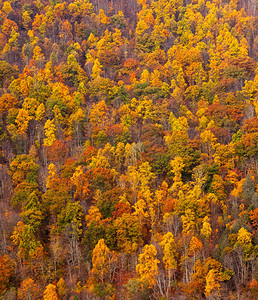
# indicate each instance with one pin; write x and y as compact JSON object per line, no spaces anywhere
{"x":128,"y":149}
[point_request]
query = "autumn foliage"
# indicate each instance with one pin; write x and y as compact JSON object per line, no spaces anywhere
{"x":128,"y":149}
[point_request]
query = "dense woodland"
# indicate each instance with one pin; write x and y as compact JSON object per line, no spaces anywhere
{"x":128,"y":149}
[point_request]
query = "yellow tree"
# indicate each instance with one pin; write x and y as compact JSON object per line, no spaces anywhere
{"x":209,"y":142}
{"x":22,"y":121}
{"x":94,"y":215}
{"x":50,"y":293}
{"x":206,"y":230}
{"x":26,"y":19}
{"x":52,"y":176}
{"x":103,"y":269}
{"x":96,"y":69}
{"x":80,"y":8}
{"x":7,"y":8}
{"x":50,"y":129}
{"x":169,"y":252}
{"x":145,"y":76}
{"x":244,"y":251}
{"x":169,"y":258}
{"x":244,"y":237}
{"x":117,"y":38}
{"x":104,"y":19}
{"x":212,"y":284}
{"x":140,"y":180}
{"x":177,"y":165}
{"x":28,"y":290}
{"x":40,"y":111}
{"x":147,"y":267}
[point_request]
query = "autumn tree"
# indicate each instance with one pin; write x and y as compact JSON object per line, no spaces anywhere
{"x":169,"y":259}
{"x":103,"y":270}
{"x":24,"y":171}
{"x":147,"y":267}
{"x":50,"y":292}
{"x":6,"y":272}
{"x":28,"y":289}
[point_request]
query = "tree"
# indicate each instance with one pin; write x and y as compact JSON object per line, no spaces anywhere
{"x":80,"y":8}
{"x":102,"y":17}
{"x":128,"y":233}
{"x":57,"y":195}
{"x":8,"y":26}
{"x":103,"y":270}
{"x":243,"y":236}
{"x":33,"y":213}
{"x":22,"y":121}
{"x":28,"y":290}
{"x":206,"y":278}
{"x":7,"y":8}
{"x":6,"y":73}
{"x":24,"y":173}
{"x":23,"y":237}
{"x":212,"y":284}
{"x":206,"y":228}
{"x":40,"y":112}
{"x":50,"y":293}
{"x":98,"y":114}
{"x":169,"y":259}
{"x":209,"y":142}
{"x":169,"y":251}
{"x":7,"y":268}
{"x":50,"y":129}
{"x":7,"y":101}
{"x":71,"y":216}
{"x":61,"y":288}
{"x":177,"y":165}
{"x":147,"y":267}
{"x":23,"y":168}
{"x":26,"y":19}
{"x":81,"y":183}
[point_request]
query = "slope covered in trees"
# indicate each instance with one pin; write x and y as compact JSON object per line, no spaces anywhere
{"x":128,"y":149}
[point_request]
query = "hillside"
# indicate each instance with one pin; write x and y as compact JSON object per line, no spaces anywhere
{"x":128,"y":149}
